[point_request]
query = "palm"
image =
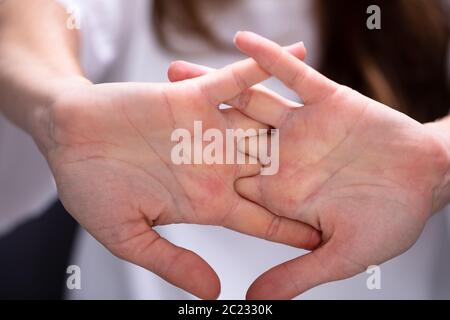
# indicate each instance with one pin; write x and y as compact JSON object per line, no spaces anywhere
{"x":358,"y":171}
{"x":120,"y":139}
{"x":357,"y":176}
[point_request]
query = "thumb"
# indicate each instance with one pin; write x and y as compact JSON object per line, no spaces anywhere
{"x":181,"y":267}
{"x":289,"y":279}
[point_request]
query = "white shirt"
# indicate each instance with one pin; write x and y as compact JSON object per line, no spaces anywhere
{"x":118,"y":45}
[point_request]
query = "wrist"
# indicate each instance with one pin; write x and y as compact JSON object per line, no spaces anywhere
{"x":40,"y":120}
{"x":440,"y":129}
{"x":30,"y":85}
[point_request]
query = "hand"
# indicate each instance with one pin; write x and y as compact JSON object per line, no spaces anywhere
{"x":109,"y":149}
{"x":365,"y":175}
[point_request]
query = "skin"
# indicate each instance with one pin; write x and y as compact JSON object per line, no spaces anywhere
{"x":365,"y":175}
{"x":109,"y":147}
{"x":109,"y":150}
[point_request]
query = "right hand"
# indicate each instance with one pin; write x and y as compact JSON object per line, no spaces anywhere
{"x":109,"y":149}
{"x":368,"y":177}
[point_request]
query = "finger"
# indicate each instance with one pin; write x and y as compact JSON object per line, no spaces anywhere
{"x":264,"y":105}
{"x":295,"y":74}
{"x":257,"y":102}
{"x":258,"y":147}
{"x":254,"y":220}
{"x":238,"y":120}
{"x":224,"y":84}
{"x":250,"y":188}
{"x":296,"y":276}
{"x":183,"y":70}
{"x":250,"y":168}
{"x":249,"y":146}
{"x":181,"y":267}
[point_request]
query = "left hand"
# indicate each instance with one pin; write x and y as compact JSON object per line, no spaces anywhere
{"x":109,"y":147}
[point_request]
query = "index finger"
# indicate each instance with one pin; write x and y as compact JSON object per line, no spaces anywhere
{"x":307,"y":82}
{"x":224,"y":84}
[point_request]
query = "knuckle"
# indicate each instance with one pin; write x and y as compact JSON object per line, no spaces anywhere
{"x":274,"y":61}
{"x":244,"y":99}
{"x":273,"y":228}
{"x":238,"y":79}
{"x":205,"y":93}
{"x":297,"y":77}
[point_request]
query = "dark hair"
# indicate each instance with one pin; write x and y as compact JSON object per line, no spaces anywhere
{"x":403,"y":65}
